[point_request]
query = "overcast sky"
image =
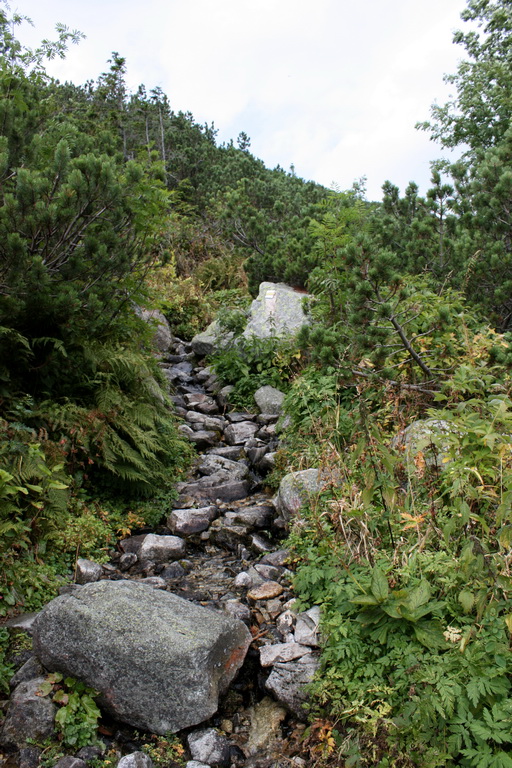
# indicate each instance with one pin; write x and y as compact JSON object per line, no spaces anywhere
{"x":333,"y":87}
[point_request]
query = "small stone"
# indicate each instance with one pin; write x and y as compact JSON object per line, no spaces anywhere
{"x":238,"y":610}
{"x":87,"y":571}
{"x":71,"y":762}
{"x":278,"y":558}
{"x":126,"y":560}
{"x":161,"y":549}
{"x":266,"y":591}
{"x":281,"y":652}
{"x":173,"y":572}
{"x":268,"y":572}
{"x":209,"y":746}
{"x":306,"y":630}
{"x":154,"y":582}
{"x":243,"y":580}
{"x":260,"y":543}
{"x":135,"y":760}
{"x":28,"y":757}
{"x":238,"y":433}
{"x":29,"y":715}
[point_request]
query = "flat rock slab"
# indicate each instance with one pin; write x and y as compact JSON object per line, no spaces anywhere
{"x":158,"y":661}
{"x":266,"y":591}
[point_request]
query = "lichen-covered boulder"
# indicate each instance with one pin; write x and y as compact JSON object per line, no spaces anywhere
{"x":159,"y":662}
{"x":277,"y":311}
{"x":297,"y":490}
{"x":425,"y":436}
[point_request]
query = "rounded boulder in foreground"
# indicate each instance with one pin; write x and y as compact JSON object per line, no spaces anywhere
{"x":159,"y":662}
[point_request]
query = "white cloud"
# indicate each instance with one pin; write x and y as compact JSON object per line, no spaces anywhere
{"x":332,"y":86}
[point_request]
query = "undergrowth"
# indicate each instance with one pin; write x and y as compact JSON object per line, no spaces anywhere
{"x":407,"y":551}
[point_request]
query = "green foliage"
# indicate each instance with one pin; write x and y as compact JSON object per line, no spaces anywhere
{"x":77,"y":716}
{"x":255,"y":362}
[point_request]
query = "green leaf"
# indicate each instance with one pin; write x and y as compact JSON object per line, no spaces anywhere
{"x":429,"y":634}
{"x":419,"y":595}
{"x":364,"y":600}
{"x":379,"y":584}
{"x":467,"y":600}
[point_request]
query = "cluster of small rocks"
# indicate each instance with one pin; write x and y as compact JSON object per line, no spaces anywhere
{"x":219,"y":547}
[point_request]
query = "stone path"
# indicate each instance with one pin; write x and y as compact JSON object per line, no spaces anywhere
{"x":221,"y":547}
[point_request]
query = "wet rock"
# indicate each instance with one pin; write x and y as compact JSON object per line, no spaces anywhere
{"x":266,"y":591}
{"x":238,"y":433}
{"x":135,"y":760}
{"x":29,"y":715}
{"x":187,"y":521}
{"x":87,"y":571}
{"x":287,"y":682}
{"x":196,"y":764}
{"x":269,"y":400}
{"x":281,"y":652}
{"x":158,"y":661}
{"x":209,"y":746}
{"x":266,"y":718}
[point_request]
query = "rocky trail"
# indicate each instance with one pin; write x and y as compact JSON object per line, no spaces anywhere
{"x":220,"y":548}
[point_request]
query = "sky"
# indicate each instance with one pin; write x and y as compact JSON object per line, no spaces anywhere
{"x":333,"y":88}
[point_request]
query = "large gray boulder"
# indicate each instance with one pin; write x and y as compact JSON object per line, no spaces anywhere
{"x":158,"y":661}
{"x":277,"y":311}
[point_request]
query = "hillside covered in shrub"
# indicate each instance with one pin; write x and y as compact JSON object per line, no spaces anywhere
{"x":111,"y":201}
